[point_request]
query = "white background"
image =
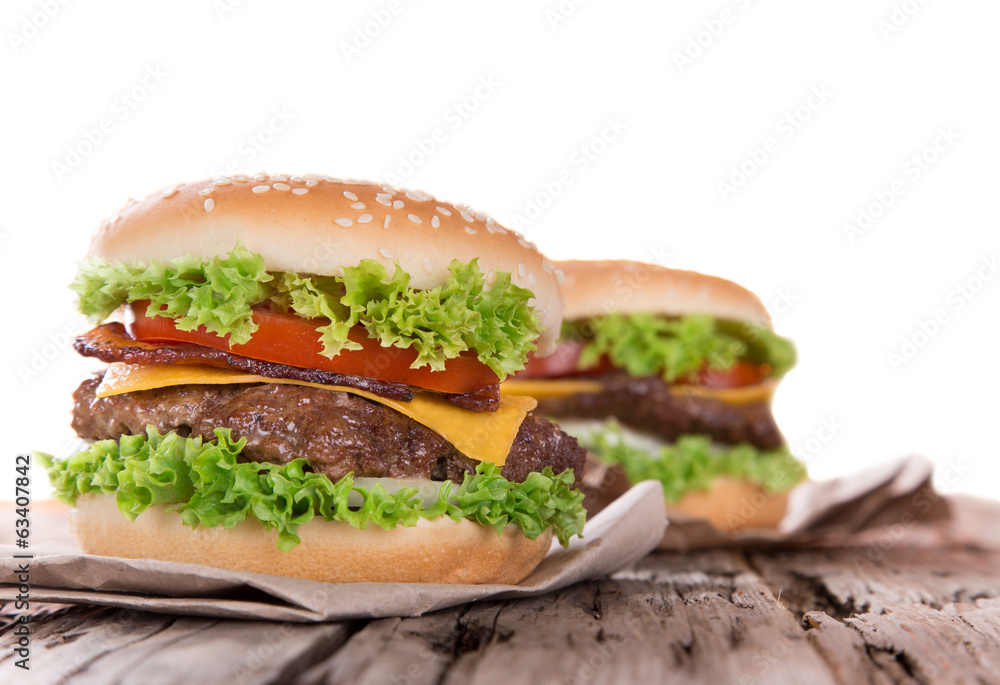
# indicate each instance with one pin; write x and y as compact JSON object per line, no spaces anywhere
{"x":518,"y":96}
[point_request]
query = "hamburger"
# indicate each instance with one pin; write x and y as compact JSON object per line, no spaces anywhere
{"x":669,"y":375}
{"x":303,"y":380}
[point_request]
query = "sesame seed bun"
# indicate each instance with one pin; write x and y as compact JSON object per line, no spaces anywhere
{"x":438,"y":551}
{"x":605,"y":287}
{"x":318,"y":225}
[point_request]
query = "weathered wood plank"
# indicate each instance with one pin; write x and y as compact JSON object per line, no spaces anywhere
{"x":413,"y":651}
{"x":90,"y":646}
{"x":846,"y":616}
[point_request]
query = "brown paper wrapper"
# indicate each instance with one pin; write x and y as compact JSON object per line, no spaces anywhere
{"x":622,"y":533}
{"x":844,"y":510}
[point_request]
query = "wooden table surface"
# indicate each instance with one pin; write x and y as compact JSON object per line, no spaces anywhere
{"x":883,"y":612}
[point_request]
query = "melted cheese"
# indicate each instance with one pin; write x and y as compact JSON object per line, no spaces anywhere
{"x":484,"y":436}
{"x":760,"y":392}
{"x":542,"y":388}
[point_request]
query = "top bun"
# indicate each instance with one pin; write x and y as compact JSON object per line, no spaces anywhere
{"x":318,"y":225}
{"x":600,"y":288}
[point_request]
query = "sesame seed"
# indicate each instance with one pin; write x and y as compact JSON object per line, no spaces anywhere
{"x":419,"y":196}
{"x":383,"y":199}
{"x":560,"y":276}
{"x":490,"y":221}
{"x":444,"y":211}
{"x":297,"y":179}
{"x":365,"y":218}
{"x":343,"y":221}
{"x":389,"y":189}
{"x":299,"y":191}
{"x":414,"y":218}
{"x":240,"y":179}
{"x":358,"y":205}
{"x":388,"y":218}
{"x":521,"y":271}
{"x":468,"y":217}
{"x":261,"y":189}
{"x":531,"y":280}
{"x":282,"y":186}
{"x":435,"y":221}
{"x":385,"y":253}
{"x":222,"y":181}
{"x":398,"y":204}
{"x":491,"y":229}
{"x":279,"y":177}
{"x":169,"y":192}
{"x":209,"y":205}
{"x":547,"y":266}
{"x":523,"y":243}
{"x":206,"y":191}
{"x":311,"y":182}
{"x":350,"y":196}
{"x":427,"y":265}
{"x":470,"y":231}
{"x":500,"y":229}
{"x":260,"y":177}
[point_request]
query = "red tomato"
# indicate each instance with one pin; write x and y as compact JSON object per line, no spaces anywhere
{"x":563,"y":364}
{"x":740,"y":374}
{"x":289,"y":339}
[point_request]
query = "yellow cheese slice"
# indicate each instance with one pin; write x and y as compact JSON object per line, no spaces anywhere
{"x":542,"y":388}
{"x":760,"y":392}
{"x":483,"y":436}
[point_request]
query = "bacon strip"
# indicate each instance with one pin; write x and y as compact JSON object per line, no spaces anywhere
{"x":111,"y":343}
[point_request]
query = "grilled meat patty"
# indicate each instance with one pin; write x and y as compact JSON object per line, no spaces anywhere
{"x":648,"y":405}
{"x":336,"y":432}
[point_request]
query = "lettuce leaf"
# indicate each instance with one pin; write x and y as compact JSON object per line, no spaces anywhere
{"x":210,"y":487}
{"x":216,"y":294}
{"x":649,"y":344}
{"x":461,"y":315}
{"x":692,"y":463}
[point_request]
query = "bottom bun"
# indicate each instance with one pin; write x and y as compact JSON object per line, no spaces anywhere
{"x":438,"y":551}
{"x":731,"y":505}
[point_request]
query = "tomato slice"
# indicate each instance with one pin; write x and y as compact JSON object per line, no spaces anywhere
{"x":563,"y":363}
{"x":288,"y":339}
{"x":739,"y":375}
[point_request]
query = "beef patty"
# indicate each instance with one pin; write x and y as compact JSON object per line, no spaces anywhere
{"x":336,"y":432}
{"x":647,"y":404}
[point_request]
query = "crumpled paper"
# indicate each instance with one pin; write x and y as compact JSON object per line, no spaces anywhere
{"x":624,"y":532}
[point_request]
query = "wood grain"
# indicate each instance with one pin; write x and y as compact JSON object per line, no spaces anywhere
{"x":884,"y":612}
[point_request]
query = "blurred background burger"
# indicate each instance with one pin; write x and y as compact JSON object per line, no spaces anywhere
{"x":669,"y":375}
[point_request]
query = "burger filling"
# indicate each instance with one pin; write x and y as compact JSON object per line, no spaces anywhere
{"x":219,"y":296}
{"x":695,"y":389}
{"x":336,"y":432}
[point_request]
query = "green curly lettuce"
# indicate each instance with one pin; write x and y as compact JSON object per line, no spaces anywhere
{"x":496,"y":323}
{"x":692,"y":463}
{"x":216,"y":293}
{"x":649,"y":344}
{"x":210,"y":487}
